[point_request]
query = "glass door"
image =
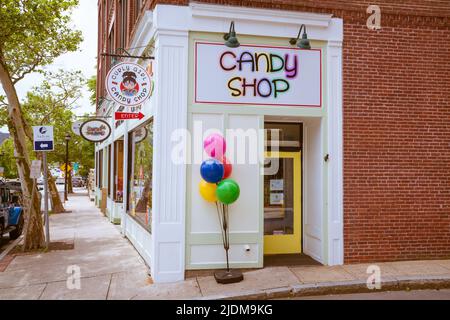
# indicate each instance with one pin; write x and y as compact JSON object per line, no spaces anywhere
{"x":282,"y":204}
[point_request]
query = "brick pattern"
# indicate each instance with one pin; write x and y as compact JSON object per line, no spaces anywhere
{"x":396,"y":143}
{"x":396,"y":125}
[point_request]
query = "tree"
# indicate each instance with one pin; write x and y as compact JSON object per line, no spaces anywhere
{"x":92,"y":87}
{"x":32,"y":34}
{"x":52,"y":102}
{"x":7,"y":159}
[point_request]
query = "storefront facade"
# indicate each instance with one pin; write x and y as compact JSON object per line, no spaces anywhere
{"x":148,"y":169}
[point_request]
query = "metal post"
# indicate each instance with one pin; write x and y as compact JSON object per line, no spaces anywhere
{"x":66,"y":169}
{"x":47,"y":224}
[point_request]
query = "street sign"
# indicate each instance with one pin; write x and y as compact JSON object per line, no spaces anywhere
{"x":76,"y":127}
{"x":63,"y":167}
{"x":35,"y":170}
{"x":43,"y":138}
{"x":76,"y":166}
{"x":128,"y":116}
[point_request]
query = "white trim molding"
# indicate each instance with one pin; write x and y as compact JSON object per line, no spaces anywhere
{"x":170,"y":114}
{"x":335,"y":151}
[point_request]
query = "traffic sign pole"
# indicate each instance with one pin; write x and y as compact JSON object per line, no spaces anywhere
{"x":47,"y":224}
{"x":43,"y":141}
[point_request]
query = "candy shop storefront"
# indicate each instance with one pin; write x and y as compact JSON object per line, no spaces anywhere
{"x":277,"y":105}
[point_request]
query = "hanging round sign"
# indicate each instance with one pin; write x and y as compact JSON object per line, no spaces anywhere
{"x":128,"y":84}
{"x":76,"y":127}
{"x":140,"y":135}
{"x":95,"y":130}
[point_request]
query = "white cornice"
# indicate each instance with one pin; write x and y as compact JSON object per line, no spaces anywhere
{"x":142,"y":35}
{"x":200,"y":10}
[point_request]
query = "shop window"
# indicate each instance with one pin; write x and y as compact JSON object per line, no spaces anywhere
{"x":140,"y":172}
{"x":284,"y":136}
{"x":100,"y":169}
{"x":108,"y":186}
{"x":118,"y":171}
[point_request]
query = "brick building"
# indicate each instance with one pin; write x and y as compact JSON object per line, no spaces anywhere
{"x":375,"y":157}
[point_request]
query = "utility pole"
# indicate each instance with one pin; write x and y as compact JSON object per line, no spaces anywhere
{"x":66,"y":167}
{"x":47,"y":222}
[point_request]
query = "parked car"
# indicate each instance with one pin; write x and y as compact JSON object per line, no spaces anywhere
{"x":77,"y":182}
{"x":11,"y":213}
{"x":14,"y":185}
{"x":60,"y":180}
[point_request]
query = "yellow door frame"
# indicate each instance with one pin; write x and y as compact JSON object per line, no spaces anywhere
{"x":288,"y":243}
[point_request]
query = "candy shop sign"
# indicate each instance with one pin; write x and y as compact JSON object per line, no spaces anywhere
{"x":259,"y":75}
{"x":129,"y":84}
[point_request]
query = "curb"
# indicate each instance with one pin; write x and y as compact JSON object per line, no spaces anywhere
{"x":400,"y":283}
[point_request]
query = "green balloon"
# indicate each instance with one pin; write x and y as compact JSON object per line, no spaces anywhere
{"x":227,"y":191}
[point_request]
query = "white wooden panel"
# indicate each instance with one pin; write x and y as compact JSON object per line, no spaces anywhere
{"x":215,"y":254}
{"x":313,"y":190}
{"x":203,"y":214}
{"x":245,"y":212}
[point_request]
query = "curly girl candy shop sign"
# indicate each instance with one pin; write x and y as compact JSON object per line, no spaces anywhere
{"x":260,"y":75}
{"x":128,"y":84}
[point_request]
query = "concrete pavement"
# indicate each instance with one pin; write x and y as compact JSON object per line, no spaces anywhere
{"x":109,"y":267}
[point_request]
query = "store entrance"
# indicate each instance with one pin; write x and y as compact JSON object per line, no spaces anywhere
{"x":282,"y":188}
{"x":282,"y":204}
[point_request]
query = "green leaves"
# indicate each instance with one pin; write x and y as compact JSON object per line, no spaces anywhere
{"x":92,"y":87}
{"x":53,"y":103}
{"x":34,"y":32}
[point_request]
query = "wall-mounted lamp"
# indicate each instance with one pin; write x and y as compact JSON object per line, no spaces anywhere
{"x":230,"y":37}
{"x":302,"y":43}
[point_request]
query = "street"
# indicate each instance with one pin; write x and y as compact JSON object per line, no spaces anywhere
{"x":388,"y":295}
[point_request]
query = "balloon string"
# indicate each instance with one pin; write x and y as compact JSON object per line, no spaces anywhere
{"x":226,"y":231}
{"x":221,"y":223}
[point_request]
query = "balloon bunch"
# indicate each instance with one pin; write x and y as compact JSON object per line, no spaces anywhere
{"x":216,"y":186}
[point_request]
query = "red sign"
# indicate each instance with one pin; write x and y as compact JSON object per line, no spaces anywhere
{"x":128,"y":115}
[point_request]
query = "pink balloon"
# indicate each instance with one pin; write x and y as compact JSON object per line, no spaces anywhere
{"x":215,"y":146}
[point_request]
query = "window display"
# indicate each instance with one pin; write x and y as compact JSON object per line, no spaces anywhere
{"x":118,"y":171}
{"x":140,"y":182}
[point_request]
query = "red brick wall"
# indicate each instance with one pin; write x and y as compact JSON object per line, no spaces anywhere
{"x":396,"y":142}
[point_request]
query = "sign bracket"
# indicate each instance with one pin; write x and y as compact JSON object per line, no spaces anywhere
{"x":126,"y":55}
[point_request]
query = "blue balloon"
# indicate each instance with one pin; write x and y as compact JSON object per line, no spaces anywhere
{"x":212,"y":170}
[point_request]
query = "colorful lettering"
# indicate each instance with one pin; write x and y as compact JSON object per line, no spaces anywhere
{"x":260,"y":62}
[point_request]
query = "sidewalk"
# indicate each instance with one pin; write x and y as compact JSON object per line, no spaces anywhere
{"x":110,"y":268}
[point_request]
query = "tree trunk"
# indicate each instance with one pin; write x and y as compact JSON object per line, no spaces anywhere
{"x":55,"y":200}
{"x":33,"y":231}
{"x":69,"y":183}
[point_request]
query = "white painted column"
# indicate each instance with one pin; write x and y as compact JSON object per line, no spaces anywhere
{"x":126,"y":141}
{"x":335,"y":149}
{"x":169,"y":179}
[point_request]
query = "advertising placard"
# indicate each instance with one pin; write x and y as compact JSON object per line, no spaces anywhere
{"x":257,"y":75}
{"x":95,"y":130}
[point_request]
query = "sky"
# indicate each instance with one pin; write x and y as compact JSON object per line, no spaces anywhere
{"x":84,"y":18}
